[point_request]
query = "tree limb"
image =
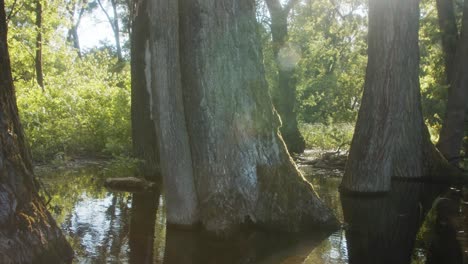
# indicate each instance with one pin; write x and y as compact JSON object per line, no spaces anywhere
{"x":111,"y":21}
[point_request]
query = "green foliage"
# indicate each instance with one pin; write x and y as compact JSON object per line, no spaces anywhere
{"x":335,"y":136}
{"x":330,"y":75}
{"x":85,"y":109}
{"x":432,"y":74}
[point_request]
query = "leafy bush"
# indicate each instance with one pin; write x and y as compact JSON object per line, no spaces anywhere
{"x":327,"y":137}
{"x":85,"y":109}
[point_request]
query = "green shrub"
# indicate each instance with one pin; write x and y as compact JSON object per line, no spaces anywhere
{"x":85,"y":109}
{"x":327,"y":137}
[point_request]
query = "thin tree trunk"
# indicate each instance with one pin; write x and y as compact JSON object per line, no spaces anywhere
{"x":114,"y":22}
{"x":453,"y":128}
{"x":391,"y":139}
{"x":284,"y":96}
{"x":145,"y":144}
{"x":243,"y":172}
{"x":38,"y":58}
{"x":449,"y":32}
{"x":28,"y":234}
{"x":116,"y":28}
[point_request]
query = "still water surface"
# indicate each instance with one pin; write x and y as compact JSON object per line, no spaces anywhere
{"x":117,"y":227}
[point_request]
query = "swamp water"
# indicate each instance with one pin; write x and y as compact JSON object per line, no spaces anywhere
{"x":117,"y":227}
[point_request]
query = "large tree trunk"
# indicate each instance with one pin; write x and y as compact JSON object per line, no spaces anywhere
{"x":28,"y":234}
{"x":38,"y":58}
{"x":284,"y":96}
{"x":453,"y":128}
{"x":145,"y":144}
{"x":242,"y":170}
{"x":391,"y":139}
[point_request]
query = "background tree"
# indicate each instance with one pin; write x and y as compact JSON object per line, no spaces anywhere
{"x":38,"y":58}
{"x":115,"y":25}
{"x":391,"y":139}
{"x":284,"y":93}
{"x":28,"y":232}
{"x":455,"y":48}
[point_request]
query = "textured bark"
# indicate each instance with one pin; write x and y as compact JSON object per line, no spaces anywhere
{"x":453,"y":128}
{"x":242,"y":170}
{"x":164,"y":84}
{"x":391,"y":139}
{"x":145,"y":144}
{"x":38,"y":58}
{"x":28,"y":234}
{"x":284,"y":96}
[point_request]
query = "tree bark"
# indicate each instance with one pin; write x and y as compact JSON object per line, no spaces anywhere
{"x":284,"y":96}
{"x":164,"y":84}
{"x":28,"y":234}
{"x":145,"y":143}
{"x":390,"y":139}
{"x":453,"y":128}
{"x":243,"y":172}
{"x":38,"y":58}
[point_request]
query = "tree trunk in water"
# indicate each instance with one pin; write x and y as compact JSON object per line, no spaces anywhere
{"x":164,"y":83}
{"x":145,"y":144}
{"x":453,"y":128}
{"x":390,"y":139}
{"x":284,"y":96}
{"x":243,"y":172}
{"x":28,"y":234}
{"x":38,"y":58}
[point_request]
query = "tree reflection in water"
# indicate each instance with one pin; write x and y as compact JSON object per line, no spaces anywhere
{"x":113,"y":227}
{"x":382,"y":229}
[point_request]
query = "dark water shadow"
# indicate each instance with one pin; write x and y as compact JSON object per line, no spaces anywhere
{"x":383,"y":229}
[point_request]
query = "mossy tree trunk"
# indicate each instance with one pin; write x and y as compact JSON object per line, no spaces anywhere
{"x":28,"y":234}
{"x":284,"y":95}
{"x":242,"y":170}
{"x":223,"y":161}
{"x":453,"y":128}
{"x":391,"y":139}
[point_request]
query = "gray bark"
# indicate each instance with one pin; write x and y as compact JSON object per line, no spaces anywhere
{"x":28,"y":234}
{"x":241,"y":167}
{"x":391,"y":139}
{"x":453,"y":128}
{"x":164,"y":84}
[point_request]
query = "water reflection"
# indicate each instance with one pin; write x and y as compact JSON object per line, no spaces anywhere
{"x":383,"y":229}
{"x":113,"y":227}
